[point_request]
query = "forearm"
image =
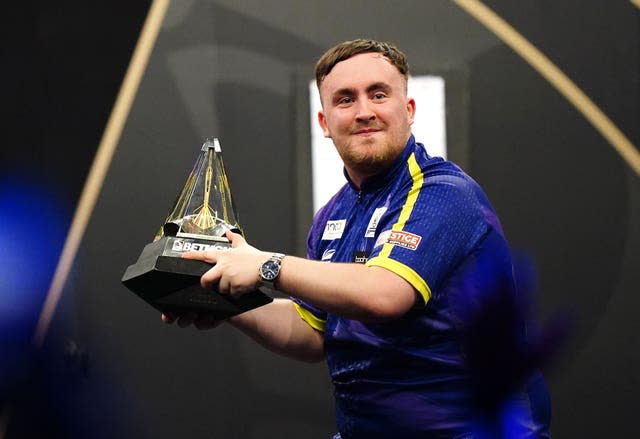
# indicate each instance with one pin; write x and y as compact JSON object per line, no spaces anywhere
{"x":278,"y":327}
{"x":350,"y":290}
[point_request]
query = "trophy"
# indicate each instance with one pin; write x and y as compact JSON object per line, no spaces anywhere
{"x":201,"y":216}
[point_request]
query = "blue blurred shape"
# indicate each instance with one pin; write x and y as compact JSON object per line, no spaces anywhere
{"x":33,"y":225}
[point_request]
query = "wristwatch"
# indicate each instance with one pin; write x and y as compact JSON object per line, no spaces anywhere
{"x":269,"y":272}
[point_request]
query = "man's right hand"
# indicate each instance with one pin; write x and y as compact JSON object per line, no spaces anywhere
{"x":200,"y":321}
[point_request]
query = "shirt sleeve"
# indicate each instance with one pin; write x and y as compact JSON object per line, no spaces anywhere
{"x":430,"y":231}
{"x":315,"y":317}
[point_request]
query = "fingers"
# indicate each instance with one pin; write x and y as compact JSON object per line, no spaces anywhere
{"x":206,"y":322}
{"x":235,"y":293}
{"x":210,"y":256}
{"x":224,"y":286}
{"x":187,"y":319}
{"x":236,"y":239}
{"x":211,"y":277}
{"x":235,"y":269}
{"x":201,"y":322}
{"x":227,"y":284}
{"x":168,"y":318}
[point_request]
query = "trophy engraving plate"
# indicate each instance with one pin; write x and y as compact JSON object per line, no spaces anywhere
{"x":198,"y":222}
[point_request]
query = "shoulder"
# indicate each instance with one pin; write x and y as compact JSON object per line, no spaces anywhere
{"x":445,"y":189}
{"x":435,"y":170}
{"x":435,"y":174}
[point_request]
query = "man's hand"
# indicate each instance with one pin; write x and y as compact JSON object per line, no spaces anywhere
{"x":235,"y":272}
{"x":204,"y":321}
{"x":236,"y":269}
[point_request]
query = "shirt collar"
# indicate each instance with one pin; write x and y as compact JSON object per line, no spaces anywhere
{"x":376,"y":181}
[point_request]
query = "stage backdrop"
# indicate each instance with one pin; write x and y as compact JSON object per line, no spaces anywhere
{"x":239,"y":71}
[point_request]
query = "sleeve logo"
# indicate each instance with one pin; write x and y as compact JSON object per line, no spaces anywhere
{"x":404,"y":239}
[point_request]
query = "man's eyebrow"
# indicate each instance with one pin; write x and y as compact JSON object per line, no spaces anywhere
{"x":343,"y":91}
{"x":378,"y":86}
{"x":348,"y":91}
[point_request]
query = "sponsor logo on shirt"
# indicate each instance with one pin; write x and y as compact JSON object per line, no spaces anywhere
{"x":399,"y":238}
{"x":382,"y":238}
{"x":328,"y":254}
{"x":333,"y":230}
{"x":374,"y":221}
{"x":404,"y":239}
{"x":360,"y":257}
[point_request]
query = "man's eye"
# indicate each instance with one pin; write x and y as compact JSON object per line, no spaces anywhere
{"x":345,"y":100}
{"x":379,"y":96}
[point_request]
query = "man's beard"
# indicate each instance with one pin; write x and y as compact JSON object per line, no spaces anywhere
{"x":372,"y":161}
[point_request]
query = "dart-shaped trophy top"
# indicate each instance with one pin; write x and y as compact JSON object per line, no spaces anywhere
{"x":204,"y":208}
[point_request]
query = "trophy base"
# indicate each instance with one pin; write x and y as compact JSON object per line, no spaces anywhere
{"x":172,"y":285}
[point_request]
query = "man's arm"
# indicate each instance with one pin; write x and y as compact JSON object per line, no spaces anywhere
{"x":350,"y":290}
{"x":276,"y":326}
{"x":354,"y":291}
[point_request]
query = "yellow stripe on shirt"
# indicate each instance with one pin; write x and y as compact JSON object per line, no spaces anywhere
{"x":382,"y":260}
{"x":412,"y":196}
{"x":405,"y":272}
{"x":310,"y":318}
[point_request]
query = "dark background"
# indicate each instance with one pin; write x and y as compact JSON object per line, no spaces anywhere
{"x":239,"y":71}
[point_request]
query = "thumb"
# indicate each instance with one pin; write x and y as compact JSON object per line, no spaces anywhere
{"x":236,"y":239}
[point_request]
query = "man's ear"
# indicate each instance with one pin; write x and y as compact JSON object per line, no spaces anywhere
{"x":323,"y":124}
{"x":411,"y":109}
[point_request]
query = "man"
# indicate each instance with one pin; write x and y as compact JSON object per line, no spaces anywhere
{"x":415,"y":248}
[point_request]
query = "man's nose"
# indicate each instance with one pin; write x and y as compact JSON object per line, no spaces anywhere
{"x":364,"y":111}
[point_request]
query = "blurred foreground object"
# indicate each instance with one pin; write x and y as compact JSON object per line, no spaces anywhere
{"x":505,"y":351}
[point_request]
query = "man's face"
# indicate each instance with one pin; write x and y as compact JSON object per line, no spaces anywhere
{"x":366,"y":112}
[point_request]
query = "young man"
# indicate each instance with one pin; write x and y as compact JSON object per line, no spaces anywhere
{"x":415,"y":248}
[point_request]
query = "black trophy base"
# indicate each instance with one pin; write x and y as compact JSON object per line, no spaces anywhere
{"x":172,"y":284}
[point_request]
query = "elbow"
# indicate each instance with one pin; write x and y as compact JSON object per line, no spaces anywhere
{"x":312,"y":355}
{"x":387,"y":296}
{"x":384,"y":310}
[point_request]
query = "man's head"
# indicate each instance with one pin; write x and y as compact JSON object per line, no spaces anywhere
{"x":365,"y":108}
{"x":348,"y":49}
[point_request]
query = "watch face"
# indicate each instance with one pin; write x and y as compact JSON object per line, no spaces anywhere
{"x":270,"y":270}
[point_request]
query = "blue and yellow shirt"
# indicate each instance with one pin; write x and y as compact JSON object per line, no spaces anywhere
{"x":430,"y":223}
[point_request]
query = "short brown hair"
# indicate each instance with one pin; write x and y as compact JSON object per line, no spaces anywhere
{"x":348,"y":49}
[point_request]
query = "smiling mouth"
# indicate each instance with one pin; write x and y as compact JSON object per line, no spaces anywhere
{"x":366,"y":132}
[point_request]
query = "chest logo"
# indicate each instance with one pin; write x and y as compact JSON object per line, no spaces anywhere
{"x":328,"y":254}
{"x":360,"y":257}
{"x":333,"y":230}
{"x":374,"y":221}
